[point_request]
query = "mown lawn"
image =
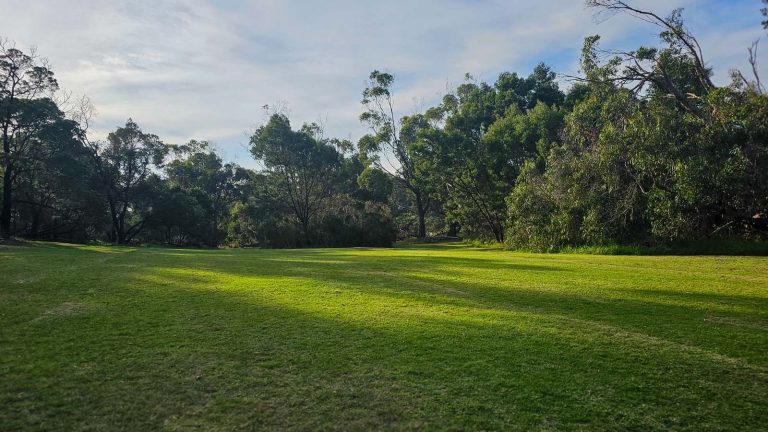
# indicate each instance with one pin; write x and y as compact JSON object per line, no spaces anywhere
{"x":438,"y":338}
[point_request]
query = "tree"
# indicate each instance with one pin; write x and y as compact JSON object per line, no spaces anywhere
{"x":678,"y":70}
{"x":125,"y":164}
{"x":650,"y":153}
{"x":55,"y":196}
{"x":394,"y":141}
{"x":489,"y":131}
{"x":200,"y":172}
{"x":374,"y":185}
{"x":176,"y":216}
{"x":25,"y":84}
{"x":304,"y":164}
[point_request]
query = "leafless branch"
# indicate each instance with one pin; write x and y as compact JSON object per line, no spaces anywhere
{"x":753,"y":63}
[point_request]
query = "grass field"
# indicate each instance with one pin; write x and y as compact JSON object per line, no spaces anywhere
{"x":443,"y":337}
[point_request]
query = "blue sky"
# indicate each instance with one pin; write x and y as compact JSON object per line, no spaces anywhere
{"x":203,"y":69}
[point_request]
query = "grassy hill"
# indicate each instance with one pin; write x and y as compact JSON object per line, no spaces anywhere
{"x":439,"y":337}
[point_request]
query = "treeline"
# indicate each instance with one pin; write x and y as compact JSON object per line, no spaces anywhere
{"x":643,"y":148}
{"x":133,"y":188}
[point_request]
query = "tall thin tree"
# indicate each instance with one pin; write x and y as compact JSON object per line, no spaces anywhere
{"x":390,"y":140}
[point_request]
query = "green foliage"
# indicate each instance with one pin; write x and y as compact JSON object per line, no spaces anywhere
{"x":210,"y":188}
{"x":717,"y":246}
{"x":488,"y":133}
{"x":683,"y":161}
{"x":305,"y":166}
{"x":55,"y":196}
{"x":334,"y":201}
{"x":393,"y":145}
{"x":375,"y":185}
{"x":126,"y":165}
{"x":27,"y":114}
{"x":242,"y":227}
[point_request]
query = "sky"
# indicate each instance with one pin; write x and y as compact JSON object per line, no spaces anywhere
{"x":204,"y":69}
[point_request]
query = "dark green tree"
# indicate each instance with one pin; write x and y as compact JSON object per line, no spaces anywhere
{"x":55,"y":196}
{"x":26,"y":83}
{"x":304,"y":164}
{"x":199,"y":172}
{"x":126,"y":164}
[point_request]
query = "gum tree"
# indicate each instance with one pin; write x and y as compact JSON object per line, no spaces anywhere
{"x":26,"y":84}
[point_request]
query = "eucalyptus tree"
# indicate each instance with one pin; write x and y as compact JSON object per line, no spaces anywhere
{"x":678,"y":70}
{"x":488,"y":132}
{"x":391,"y":145}
{"x":54,"y":190}
{"x":652,"y":151}
{"x":304,"y":164}
{"x":26,"y":85}
{"x":200,"y":172}
{"x":702,"y":171}
{"x":127,"y":164}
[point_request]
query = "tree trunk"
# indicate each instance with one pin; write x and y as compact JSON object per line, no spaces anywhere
{"x":213,"y":240}
{"x":498,"y":232}
{"x":121,"y":231}
{"x":117,"y":235}
{"x":305,"y":229}
{"x":421,"y":212}
{"x":35,"y":228}
{"x":5,"y":215}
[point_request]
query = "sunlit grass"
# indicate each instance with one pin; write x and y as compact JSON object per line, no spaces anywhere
{"x":437,"y":337}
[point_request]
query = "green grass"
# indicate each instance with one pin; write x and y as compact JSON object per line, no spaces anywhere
{"x":700,"y":247}
{"x":442,"y":337}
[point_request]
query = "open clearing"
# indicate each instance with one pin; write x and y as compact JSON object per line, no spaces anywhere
{"x":439,"y":337}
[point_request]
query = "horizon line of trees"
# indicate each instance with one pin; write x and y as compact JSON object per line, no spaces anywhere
{"x":642,"y":149}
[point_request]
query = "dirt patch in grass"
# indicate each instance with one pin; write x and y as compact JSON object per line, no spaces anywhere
{"x":64,"y":310}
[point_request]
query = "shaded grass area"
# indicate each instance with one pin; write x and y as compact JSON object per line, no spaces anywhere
{"x":437,"y":337}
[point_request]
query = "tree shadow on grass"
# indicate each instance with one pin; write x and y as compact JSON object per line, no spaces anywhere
{"x":344,"y":341}
{"x":708,"y":321}
{"x":725,"y":323}
{"x":188,"y":354}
